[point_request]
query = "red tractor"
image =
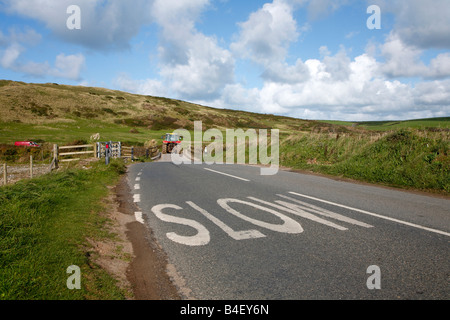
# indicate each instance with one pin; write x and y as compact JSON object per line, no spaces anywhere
{"x":170,"y":141}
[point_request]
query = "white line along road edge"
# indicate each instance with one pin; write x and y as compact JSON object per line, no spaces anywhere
{"x":139,"y":217}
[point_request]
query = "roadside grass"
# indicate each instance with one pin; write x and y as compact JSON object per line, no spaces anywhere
{"x":407,"y":158}
{"x":422,"y":124}
{"x":44,"y":226}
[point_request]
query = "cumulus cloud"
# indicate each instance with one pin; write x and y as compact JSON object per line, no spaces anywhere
{"x":10,"y":55}
{"x":105,"y":24}
{"x":192,"y":64}
{"x":17,"y":43}
{"x":267,"y":34}
{"x":339,"y":87}
{"x":198,"y":67}
{"x":144,"y":87}
{"x":421,"y":23}
{"x":318,"y":9}
{"x":68,"y":67}
{"x":403,"y":60}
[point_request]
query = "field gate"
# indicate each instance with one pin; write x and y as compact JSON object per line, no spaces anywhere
{"x":111,"y":149}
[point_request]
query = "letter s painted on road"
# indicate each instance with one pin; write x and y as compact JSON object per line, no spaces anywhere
{"x":200,"y":239}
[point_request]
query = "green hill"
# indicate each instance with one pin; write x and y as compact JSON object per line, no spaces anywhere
{"x":412,"y":154}
{"x":429,"y":124}
{"x":60,"y":113}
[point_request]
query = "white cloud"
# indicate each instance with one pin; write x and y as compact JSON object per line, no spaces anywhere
{"x":105,"y":24}
{"x":267,"y":34}
{"x":206,"y":72}
{"x":440,"y":66}
{"x":424,"y":23}
{"x":10,"y":55}
{"x":334,"y":86}
{"x":68,"y":67}
{"x":362,"y":94}
{"x":401,"y":60}
{"x":144,"y":87}
{"x":318,"y":9}
{"x":420,"y":23}
{"x":434,"y":93}
{"x":193,"y":65}
{"x":404,"y":60}
{"x":16,"y":43}
{"x":199,"y":67}
{"x":283,"y":73}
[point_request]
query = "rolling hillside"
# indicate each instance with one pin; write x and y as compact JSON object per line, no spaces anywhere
{"x":412,"y":154}
{"x":430,"y":124}
{"x":60,"y":113}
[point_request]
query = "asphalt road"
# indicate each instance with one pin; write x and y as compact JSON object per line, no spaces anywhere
{"x":233,"y":234}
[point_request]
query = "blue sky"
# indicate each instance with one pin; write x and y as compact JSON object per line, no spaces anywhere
{"x":311,"y":59}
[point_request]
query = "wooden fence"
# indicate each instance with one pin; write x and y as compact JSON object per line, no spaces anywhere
{"x":73,"y":153}
{"x":61,"y":154}
{"x":5,"y":171}
{"x":98,"y":151}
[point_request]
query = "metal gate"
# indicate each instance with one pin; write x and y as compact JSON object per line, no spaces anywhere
{"x":113,"y":149}
{"x":110,"y":149}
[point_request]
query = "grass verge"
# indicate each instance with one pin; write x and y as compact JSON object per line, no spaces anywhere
{"x":406,"y":158}
{"x":44,"y":226}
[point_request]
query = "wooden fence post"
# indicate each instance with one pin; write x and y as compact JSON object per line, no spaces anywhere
{"x":5,"y":174}
{"x":55,"y":155}
{"x":31,"y":167}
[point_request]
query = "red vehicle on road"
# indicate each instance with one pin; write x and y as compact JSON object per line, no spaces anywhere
{"x":26,"y":144}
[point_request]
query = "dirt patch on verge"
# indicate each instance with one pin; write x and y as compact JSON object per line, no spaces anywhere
{"x":146,"y":272}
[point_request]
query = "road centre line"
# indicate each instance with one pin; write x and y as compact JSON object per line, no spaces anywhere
{"x":226,"y":174}
{"x":375,"y":215}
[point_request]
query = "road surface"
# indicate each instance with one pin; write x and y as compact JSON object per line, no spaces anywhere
{"x":232,"y":234}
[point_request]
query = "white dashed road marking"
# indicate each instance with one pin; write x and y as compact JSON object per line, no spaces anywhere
{"x":139,"y":217}
{"x":226,"y":174}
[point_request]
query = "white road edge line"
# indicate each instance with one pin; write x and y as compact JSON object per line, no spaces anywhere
{"x":137,"y":186}
{"x":139,"y":217}
{"x":376,"y":215}
{"x":226,"y":174}
{"x":137,"y":198}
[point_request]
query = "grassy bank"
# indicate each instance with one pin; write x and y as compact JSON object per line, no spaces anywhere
{"x":44,"y":226}
{"x":422,"y":124}
{"x":407,"y":158}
